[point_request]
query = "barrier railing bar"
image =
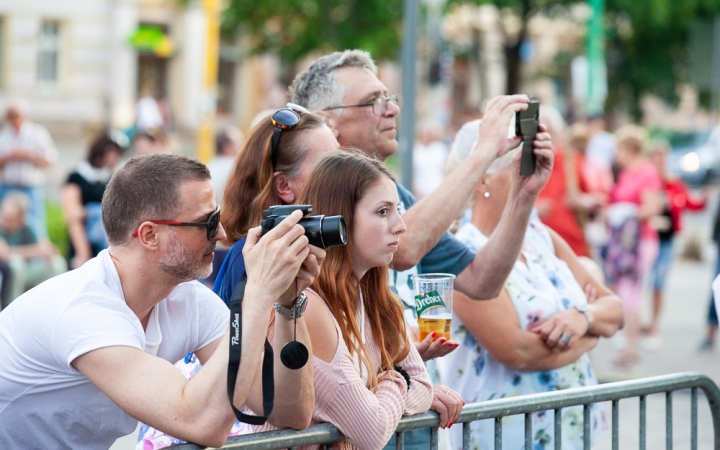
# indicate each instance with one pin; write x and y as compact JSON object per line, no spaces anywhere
{"x":466,"y":436}
{"x":693,"y":421}
{"x":615,"y":424}
{"x":643,"y":413}
{"x":324,"y":433}
{"x":400,"y":441}
{"x":498,"y":433}
{"x":434,"y":438}
{"x":668,"y":421}
{"x":558,"y":428}
{"x":586,"y":427}
{"x":528,"y":431}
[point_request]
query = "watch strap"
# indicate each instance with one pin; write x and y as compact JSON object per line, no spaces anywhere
{"x":297,"y":309}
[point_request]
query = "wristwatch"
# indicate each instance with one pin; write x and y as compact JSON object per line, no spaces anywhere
{"x":297,"y":309}
{"x":583,"y":308}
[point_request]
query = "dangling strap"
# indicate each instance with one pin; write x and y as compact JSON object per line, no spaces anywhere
{"x":268,"y":384}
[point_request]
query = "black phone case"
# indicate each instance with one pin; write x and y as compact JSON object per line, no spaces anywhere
{"x":526,"y":125}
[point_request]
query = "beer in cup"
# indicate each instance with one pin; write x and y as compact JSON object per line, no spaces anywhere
{"x":433,"y":303}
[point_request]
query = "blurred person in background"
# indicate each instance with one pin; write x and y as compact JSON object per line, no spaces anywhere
{"x":26,"y":154}
{"x":601,"y":147}
{"x":534,"y":337}
{"x":635,"y":199}
{"x":668,"y":224}
{"x":32,"y":260}
{"x":148,"y":111}
{"x":228,"y":142}
{"x":589,"y":187}
{"x":429,"y":155}
{"x":553,"y":204}
{"x":82,"y":195}
{"x":149,"y":141}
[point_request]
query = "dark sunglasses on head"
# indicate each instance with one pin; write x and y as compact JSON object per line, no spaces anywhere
{"x":212,"y":224}
{"x":282,"y":119}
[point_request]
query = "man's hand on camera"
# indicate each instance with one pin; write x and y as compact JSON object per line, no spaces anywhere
{"x":309,"y":271}
{"x":499,"y":112}
{"x":532,"y":184}
{"x":274,"y":260}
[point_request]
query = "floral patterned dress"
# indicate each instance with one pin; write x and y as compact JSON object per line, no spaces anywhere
{"x":538,"y":290}
{"x":151,"y":438}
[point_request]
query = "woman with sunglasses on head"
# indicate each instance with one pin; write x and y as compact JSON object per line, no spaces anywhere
{"x":270,"y":169}
{"x":367,"y":372}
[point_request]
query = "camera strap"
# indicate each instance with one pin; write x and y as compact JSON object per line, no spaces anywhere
{"x":268,"y":383}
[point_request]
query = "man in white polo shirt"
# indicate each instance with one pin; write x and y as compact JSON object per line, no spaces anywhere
{"x":88,"y":353}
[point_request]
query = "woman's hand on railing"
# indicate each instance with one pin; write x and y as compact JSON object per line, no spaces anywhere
{"x":447,"y":403}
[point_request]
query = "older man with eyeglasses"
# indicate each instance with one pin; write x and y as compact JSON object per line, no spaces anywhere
{"x":88,"y":353}
{"x":345,"y":88}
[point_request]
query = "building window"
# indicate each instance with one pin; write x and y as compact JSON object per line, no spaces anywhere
{"x":49,"y":52}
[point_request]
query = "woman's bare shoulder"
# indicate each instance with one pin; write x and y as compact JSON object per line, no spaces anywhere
{"x":321,"y":327}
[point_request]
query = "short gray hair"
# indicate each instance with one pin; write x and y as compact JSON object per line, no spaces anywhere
{"x":146,"y":188}
{"x":464,"y":144}
{"x":316,"y":88}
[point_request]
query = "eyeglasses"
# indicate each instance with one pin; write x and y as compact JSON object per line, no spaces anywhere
{"x":379,"y":105}
{"x":282,"y":119}
{"x":212,"y":224}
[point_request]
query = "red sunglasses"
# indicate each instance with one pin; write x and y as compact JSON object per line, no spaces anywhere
{"x":212,"y":224}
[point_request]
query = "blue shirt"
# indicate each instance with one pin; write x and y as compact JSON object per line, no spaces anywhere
{"x":230,"y":272}
{"x":448,"y":256}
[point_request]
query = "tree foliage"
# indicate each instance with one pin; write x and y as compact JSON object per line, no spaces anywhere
{"x":295,"y":28}
{"x":654,"y":57}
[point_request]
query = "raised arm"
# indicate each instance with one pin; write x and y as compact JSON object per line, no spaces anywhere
{"x":427,"y":220}
{"x":495,"y":326}
{"x":484,"y":278}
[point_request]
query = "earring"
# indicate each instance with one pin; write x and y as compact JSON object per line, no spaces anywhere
{"x":487,"y":194}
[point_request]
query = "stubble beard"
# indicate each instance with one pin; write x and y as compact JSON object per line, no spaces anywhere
{"x":181,"y":264}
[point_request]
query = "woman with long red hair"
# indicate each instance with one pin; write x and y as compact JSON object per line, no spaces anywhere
{"x":367,"y":373}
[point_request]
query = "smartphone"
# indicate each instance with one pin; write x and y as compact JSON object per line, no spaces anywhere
{"x":526,"y":125}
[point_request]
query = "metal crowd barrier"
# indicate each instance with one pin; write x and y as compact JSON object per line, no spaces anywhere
{"x":528,"y":404}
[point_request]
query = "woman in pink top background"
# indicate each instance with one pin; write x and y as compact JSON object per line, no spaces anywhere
{"x":367,"y":372}
{"x":635,"y":198}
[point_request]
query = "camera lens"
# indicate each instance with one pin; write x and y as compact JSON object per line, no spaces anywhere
{"x":325,"y":231}
{"x":334,"y":231}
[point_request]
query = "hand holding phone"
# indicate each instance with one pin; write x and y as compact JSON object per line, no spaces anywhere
{"x":526,"y":125}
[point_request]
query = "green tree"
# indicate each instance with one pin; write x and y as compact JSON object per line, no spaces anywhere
{"x":646,"y":47}
{"x":650,"y":56}
{"x":295,"y":28}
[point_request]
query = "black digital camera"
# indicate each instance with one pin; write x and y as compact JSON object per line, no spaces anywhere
{"x":526,"y":125}
{"x":321,"y":231}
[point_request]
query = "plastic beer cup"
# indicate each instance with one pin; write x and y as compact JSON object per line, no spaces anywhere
{"x":433,"y":303}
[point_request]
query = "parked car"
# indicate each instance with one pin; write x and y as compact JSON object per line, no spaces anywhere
{"x":695,"y":156}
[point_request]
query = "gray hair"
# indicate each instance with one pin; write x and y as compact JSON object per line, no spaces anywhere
{"x":464,"y":144}
{"x":146,"y":188}
{"x":316,"y":88}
